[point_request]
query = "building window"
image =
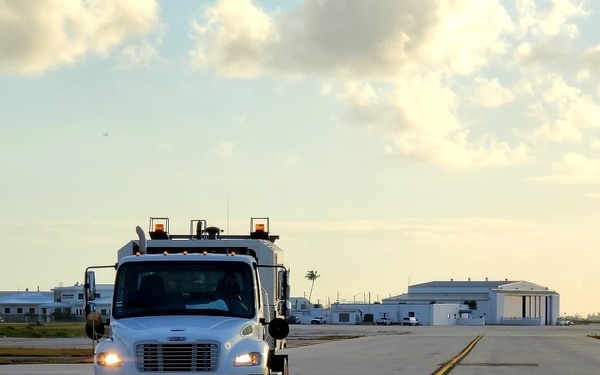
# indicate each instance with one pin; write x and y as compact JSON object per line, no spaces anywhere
{"x":344,"y":318}
{"x":103,"y":312}
{"x":19,"y":310}
{"x":7,"y":310}
{"x":80,"y":296}
{"x":32,"y":310}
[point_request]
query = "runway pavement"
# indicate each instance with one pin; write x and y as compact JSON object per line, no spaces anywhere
{"x":421,"y":351}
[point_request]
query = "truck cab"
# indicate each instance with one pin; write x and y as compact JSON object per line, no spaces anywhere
{"x":197,"y":303}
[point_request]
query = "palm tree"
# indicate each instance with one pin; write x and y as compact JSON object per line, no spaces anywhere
{"x":312,"y":276}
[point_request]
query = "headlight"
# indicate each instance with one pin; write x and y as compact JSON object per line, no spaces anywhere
{"x":248,"y":359}
{"x":109,"y":360}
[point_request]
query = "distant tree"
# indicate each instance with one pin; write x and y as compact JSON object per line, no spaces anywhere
{"x":471,"y":303}
{"x":311,"y":276}
{"x":63,"y":316}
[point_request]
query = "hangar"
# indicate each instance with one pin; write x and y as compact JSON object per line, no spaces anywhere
{"x":497,"y":302}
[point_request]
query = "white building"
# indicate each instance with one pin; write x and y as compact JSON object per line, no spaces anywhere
{"x":46,"y":306}
{"x":425,"y":313}
{"x":73,"y":296}
{"x":26,"y":307}
{"x":305,"y":311}
{"x":497,"y":302}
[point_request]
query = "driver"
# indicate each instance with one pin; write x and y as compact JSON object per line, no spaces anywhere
{"x":229,"y":290}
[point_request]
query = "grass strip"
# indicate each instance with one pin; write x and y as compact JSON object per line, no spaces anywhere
{"x":38,"y":330}
{"x":45,"y":352}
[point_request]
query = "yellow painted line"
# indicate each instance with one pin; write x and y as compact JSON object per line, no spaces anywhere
{"x":448,"y":366}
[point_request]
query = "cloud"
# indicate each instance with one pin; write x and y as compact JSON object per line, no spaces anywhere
{"x":555,"y":19}
{"x":224,"y":150}
{"x":40,"y":35}
{"x":566,"y":113}
{"x":235,"y":39}
{"x":419,"y":115}
{"x":574,"y":168}
{"x":423,"y":230}
{"x":238,"y":39}
{"x":292,"y":161}
{"x":577,"y":164}
{"x":413,"y":72}
{"x":140,"y":55}
{"x":401,"y":77}
{"x":491,"y":93}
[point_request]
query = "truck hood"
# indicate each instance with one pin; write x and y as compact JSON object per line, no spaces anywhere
{"x":179,"y":328}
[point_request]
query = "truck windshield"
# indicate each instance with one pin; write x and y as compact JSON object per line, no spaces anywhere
{"x":190,"y":288}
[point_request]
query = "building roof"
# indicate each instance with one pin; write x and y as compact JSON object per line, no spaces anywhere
{"x":461,"y":290}
{"x":463,"y":284}
{"x":57,"y":305}
{"x":4,"y":293}
{"x":25,"y":299}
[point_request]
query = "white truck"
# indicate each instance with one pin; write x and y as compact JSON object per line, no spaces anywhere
{"x":199,"y":302}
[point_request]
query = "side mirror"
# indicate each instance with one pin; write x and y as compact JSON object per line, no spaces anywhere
{"x":283,"y":283}
{"x":91,"y":285}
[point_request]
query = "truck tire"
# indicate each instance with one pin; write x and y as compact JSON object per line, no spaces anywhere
{"x":279,"y":363}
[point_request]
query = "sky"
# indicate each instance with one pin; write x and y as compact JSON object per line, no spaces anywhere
{"x":390,"y":143}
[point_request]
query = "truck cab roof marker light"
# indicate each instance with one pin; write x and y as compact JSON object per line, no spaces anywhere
{"x":159,"y":228}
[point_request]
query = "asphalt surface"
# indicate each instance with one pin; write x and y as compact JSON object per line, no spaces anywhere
{"x":397,"y":350}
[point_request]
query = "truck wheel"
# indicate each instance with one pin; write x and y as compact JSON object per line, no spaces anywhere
{"x":279,"y":363}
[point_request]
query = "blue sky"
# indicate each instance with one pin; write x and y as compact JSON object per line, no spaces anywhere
{"x":389,"y":142}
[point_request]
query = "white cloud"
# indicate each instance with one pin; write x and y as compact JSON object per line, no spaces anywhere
{"x":395,"y":74}
{"x":595,"y":144}
{"x":292,"y":161}
{"x":574,"y":168}
{"x":141,"y":55}
{"x":225,"y":150}
{"x":555,"y":20}
{"x":238,"y":39}
{"x":459,"y":152}
{"x":546,"y":31}
{"x":235,"y":39}
{"x":42,"y":34}
{"x":577,"y":164}
{"x":326,"y":89}
{"x":419,"y":115}
{"x":550,"y":18}
{"x":566,"y":113}
{"x":491,"y":93}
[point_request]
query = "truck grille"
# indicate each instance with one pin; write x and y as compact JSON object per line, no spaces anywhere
{"x":197,"y":357}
